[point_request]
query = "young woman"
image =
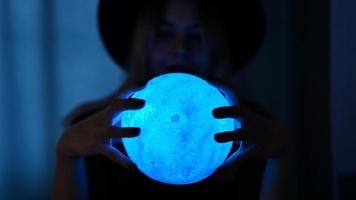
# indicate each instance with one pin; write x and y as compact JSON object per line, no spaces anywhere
{"x":209,"y":39}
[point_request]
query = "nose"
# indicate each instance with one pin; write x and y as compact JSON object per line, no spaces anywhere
{"x":179,"y":45}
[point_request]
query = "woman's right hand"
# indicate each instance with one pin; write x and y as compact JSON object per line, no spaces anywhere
{"x":92,"y":135}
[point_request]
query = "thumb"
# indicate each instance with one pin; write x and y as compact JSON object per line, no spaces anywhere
{"x":116,"y":156}
{"x":129,"y":88}
{"x":236,"y":159}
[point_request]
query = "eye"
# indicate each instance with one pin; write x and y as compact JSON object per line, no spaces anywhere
{"x":194,"y":36}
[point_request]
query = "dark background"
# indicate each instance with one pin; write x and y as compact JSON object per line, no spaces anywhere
{"x":52,"y":59}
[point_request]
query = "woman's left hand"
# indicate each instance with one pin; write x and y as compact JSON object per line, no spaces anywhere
{"x":260,"y":136}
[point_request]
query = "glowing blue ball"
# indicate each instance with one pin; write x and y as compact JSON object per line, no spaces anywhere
{"x":176,"y":144}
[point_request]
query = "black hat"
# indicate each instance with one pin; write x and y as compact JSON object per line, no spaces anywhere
{"x":244,"y":19}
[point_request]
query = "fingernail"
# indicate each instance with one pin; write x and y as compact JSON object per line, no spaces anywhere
{"x":218,"y":138}
{"x":216,"y":113}
{"x":140,"y":101}
{"x":135,"y":131}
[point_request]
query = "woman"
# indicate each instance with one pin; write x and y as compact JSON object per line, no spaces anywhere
{"x":209,"y":39}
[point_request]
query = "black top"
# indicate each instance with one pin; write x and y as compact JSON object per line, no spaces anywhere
{"x":108,"y":180}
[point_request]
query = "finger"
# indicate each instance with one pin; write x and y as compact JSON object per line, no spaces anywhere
{"x":116,"y":141}
{"x":116,"y":156}
{"x":113,"y":113}
{"x":128,"y":89}
{"x":236,"y":158}
{"x":118,"y":105}
{"x":228,"y":136}
{"x":124,"y":104}
{"x":114,"y":132}
{"x":129,"y":104}
{"x":234,"y":111}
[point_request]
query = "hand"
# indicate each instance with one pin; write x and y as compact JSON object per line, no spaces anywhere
{"x":94,"y":135}
{"x":259,"y":136}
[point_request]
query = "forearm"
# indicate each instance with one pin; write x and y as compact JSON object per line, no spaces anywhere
{"x":70,"y":179}
{"x":279,"y":180}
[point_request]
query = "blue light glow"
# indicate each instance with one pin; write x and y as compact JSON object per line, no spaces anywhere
{"x":176,"y":144}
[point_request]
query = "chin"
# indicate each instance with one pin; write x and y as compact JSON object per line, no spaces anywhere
{"x":181,"y":70}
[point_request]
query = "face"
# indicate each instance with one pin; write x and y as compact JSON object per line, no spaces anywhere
{"x":179,"y":44}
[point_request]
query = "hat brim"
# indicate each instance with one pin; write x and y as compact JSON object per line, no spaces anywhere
{"x":245,"y":28}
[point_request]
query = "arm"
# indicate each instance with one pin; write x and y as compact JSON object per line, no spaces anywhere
{"x":263,"y":137}
{"x":70,"y":179}
{"x":91,"y":136}
{"x":279,"y":180}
